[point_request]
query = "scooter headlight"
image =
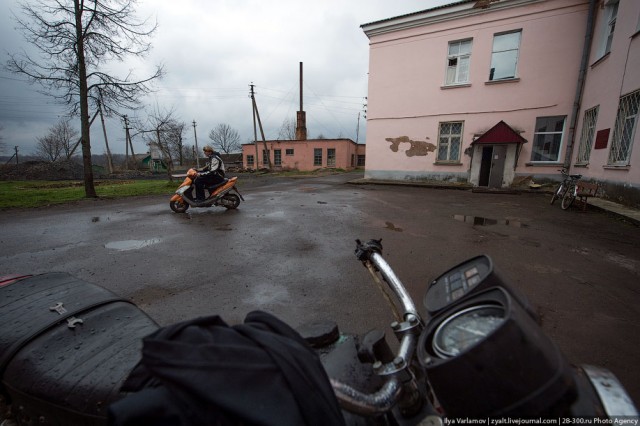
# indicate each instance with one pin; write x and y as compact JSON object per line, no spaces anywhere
{"x":182,"y":190}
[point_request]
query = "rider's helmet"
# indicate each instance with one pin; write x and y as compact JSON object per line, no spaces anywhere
{"x":208,"y":150}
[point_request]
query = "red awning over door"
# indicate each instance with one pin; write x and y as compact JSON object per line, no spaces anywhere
{"x":501,"y":133}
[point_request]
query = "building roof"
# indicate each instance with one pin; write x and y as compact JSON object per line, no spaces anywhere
{"x":444,"y":6}
{"x":447,"y":12}
{"x":501,"y":133}
{"x":303,"y":141}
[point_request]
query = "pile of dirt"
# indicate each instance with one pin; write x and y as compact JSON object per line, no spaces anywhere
{"x":42,"y":170}
{"x":62,"y":170}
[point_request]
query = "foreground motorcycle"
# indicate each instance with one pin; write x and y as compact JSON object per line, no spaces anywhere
{"x":477,"y":353}
{"x":224,"y":194}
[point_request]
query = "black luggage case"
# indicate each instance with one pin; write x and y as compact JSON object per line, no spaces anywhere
{"x":66,"y":346}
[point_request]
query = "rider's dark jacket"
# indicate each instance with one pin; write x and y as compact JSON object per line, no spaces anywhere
{"x":214,"y":165}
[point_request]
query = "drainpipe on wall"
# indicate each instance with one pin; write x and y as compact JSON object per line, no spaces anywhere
{"x":580,"y":86}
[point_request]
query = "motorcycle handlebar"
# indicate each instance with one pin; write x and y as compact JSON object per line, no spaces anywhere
{"x":399,"y":383}
{"x":395,"y":285}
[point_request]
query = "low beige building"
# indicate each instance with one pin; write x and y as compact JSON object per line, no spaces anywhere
{"x":304,"y":155}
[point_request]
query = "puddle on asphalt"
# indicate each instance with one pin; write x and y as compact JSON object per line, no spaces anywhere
{"x":392,"y":227}
{"x":483,"y":221}
{"x":131,"y":244}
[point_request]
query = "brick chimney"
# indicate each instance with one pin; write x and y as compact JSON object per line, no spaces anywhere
{"x":301,"y":116}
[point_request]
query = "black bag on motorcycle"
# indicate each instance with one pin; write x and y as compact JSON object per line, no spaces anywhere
{"x":66,"y":346}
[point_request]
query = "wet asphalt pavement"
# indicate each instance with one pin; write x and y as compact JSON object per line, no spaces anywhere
{"x":289,"y":250}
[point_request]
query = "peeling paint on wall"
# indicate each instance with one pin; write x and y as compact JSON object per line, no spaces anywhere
{"x":419,"y":148}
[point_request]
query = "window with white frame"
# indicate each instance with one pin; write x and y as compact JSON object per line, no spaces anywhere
{"x":504,"y":56}
{"x":587,"y":135}
{"x":623,"y":133}
{"x":331,"y":157}
{"x":277,"y":157}
{"x":450,"y":141}
{"x":458,"y":59}
{"x":547,"y":139}
{"x":609,"y":26}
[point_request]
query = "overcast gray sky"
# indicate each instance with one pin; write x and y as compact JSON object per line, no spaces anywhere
{"x":212,"y":51}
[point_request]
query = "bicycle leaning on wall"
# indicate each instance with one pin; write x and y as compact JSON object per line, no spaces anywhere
{"x":566,"y":190}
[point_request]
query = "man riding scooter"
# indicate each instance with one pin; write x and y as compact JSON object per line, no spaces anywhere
{"x":212,"y":174}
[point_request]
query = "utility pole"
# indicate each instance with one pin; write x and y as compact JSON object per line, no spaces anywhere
{"x":264,"y":142}
{"x":80,"y":139}
{"x":104,"y":132}
{"x":195,"y":137}
{"x":14,"y":155}
{"x":128,"y":143}
{"x":255,"y":134}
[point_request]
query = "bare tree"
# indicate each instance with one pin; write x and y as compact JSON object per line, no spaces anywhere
{"x":189,"y":154}
{"x":74,"y":40}
{"x":47,"y":148}
{"x":58,"y":142}
{"x":288,"y":129}
{"x":167,"y":135}
{"x":225,"y":138}
{"x":173,"y":136}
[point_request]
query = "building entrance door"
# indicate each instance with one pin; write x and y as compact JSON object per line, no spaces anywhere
{"x":492,"y":166}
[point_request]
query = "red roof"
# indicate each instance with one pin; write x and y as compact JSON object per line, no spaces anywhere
{"x":500,"y":133}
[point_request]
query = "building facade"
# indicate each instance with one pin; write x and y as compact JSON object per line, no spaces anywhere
{"x":304,"y":155}
{"x":492,"y":92}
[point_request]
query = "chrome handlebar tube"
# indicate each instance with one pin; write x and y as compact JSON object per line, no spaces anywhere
{"x":400,"y":387}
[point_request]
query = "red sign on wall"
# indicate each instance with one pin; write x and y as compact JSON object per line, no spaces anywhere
{"x":602,"y":138}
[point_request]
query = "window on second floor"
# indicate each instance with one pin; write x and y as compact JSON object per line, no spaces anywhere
{"x":610,"y":17}
{"x":504,"y":56}
{"x":458,"y":59}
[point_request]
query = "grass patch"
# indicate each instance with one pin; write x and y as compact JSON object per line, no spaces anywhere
{"x":28,"y":194}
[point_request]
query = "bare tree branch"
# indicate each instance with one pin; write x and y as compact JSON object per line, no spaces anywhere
{"x":58,"y":142}
{"x":225,"y":138}
{"x":288,"y":130}
{"x":73,"y":41}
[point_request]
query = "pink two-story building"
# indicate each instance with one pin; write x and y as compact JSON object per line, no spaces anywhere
{"x":490,"y":91}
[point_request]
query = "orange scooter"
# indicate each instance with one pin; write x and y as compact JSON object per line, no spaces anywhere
{"x":224,"y":194}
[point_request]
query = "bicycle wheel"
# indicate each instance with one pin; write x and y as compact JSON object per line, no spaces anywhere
{"x":558,"y":192}
{"x":568,"y":197}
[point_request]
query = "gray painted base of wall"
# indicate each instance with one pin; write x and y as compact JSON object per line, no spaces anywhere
{"x":403,"y":175}
{"x":620,"y":192}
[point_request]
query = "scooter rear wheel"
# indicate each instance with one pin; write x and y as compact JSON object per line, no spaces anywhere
{"x":230,"y":201}
{"x":178,"y":207}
